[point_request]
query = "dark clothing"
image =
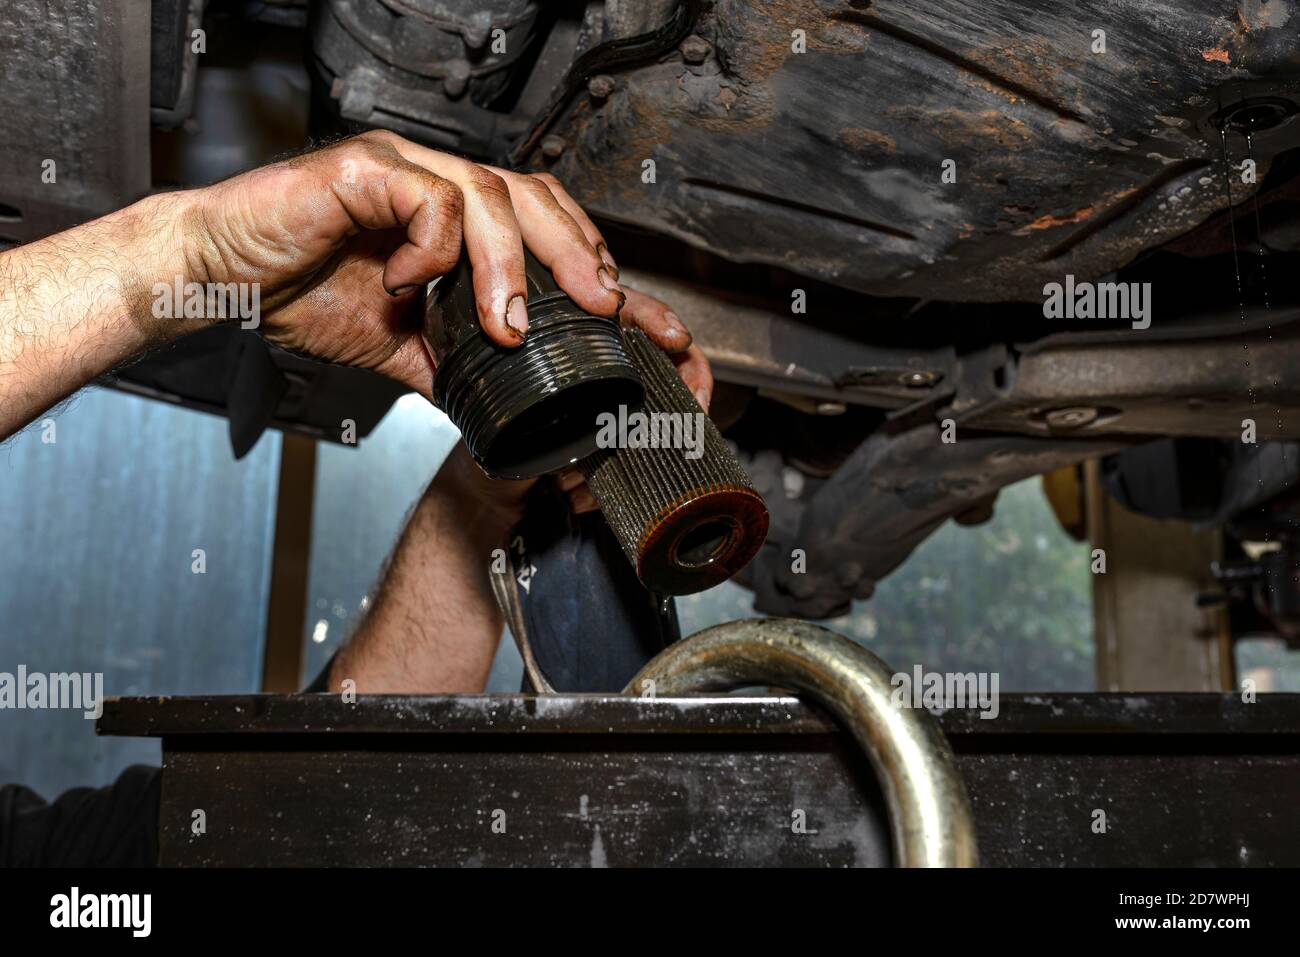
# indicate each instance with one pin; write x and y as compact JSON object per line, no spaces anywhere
{"x":590,"y":621}
{"x":116,"y":826}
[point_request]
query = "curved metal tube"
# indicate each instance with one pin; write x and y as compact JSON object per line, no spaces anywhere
{"x":928,"y":807}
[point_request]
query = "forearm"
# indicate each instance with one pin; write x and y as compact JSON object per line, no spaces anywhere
{"x":434,"y":625}
{"x":77,"y":304}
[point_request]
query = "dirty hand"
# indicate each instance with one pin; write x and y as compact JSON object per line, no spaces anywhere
{"x":342,"y":240}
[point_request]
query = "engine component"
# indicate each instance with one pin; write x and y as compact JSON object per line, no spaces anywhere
{"x":528,"y":410}
{"x":859,"y":525}
{"x":678,"y":500}
{"x":427,"y":68}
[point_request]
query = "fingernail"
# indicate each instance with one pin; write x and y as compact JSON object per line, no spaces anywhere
{"x":517,"y":317}
{"x":702,"y":397}
{"x":676,"y":327}
{"x":608,"y":281}
{"x":607,"y":259}
{"x":403,"y":290}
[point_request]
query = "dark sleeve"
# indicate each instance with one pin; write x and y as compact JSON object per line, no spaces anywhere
{"x":116,"y":826}
{"x":590,"y":621}
{"x":321,"y":683}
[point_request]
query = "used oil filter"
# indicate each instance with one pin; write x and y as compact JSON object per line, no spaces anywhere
{"x":528,"y":410}
{"x":686,"y":521}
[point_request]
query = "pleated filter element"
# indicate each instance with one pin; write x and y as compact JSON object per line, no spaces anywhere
{"x":686,"y":523}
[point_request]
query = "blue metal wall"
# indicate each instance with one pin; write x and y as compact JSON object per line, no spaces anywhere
{"x":97,"y":534}
{"x":363,"y":496}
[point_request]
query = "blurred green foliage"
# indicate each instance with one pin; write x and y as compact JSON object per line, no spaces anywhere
{"x":1012,"y":596}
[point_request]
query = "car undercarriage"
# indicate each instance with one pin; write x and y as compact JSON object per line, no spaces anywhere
{"x":930,"y":249}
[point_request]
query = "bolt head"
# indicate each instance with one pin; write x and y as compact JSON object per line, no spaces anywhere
{"x":1074,"y":417}
{"x":695,"y":49}
{"x":919,"y":379}
{"x":600,"y":86}
{"x":456,"y":79}
{"x":475,"y":32}
{"x":553,"y":146}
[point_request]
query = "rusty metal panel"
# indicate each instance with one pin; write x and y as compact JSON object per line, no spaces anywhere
{"x":75,"y":75}
{"x":591,"y":780}
{"x":828,"y":160}
{"x":554,"y":806}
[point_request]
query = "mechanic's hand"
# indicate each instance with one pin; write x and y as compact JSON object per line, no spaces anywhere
{"x":665,"y":330}
{"x":343,"y":239}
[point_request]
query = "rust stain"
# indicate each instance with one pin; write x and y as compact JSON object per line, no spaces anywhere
{"x":1215,"y":55}
{"x":867,"y":139}
{"x":995,"y":126}
{"x":1049,"y":221}
{"x":1035,"y":65}
{"x":757,"y":58}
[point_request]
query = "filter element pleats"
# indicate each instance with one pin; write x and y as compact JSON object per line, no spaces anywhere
{"x":686,"y":523}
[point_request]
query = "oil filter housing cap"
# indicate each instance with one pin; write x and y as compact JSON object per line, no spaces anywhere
{"x":532,"y":409}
